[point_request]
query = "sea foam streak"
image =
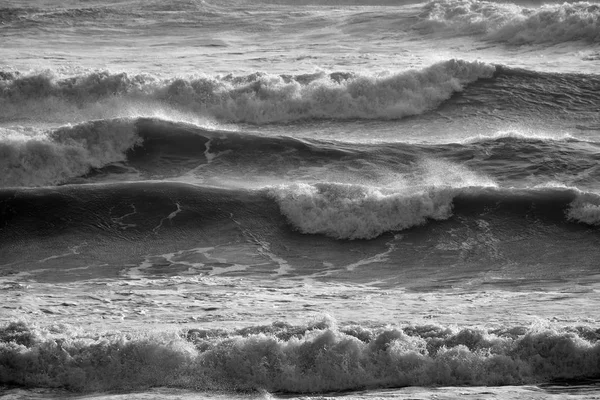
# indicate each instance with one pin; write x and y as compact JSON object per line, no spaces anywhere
{"x":284,"y":358}
{"x":513,"y":24}
{"x":256,"y":98}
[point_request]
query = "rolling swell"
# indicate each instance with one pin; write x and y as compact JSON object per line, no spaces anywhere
{"x":161,"y":229}
{"x":516,"y":159}
{"x":127,"y":210}
{"x":146,"y":148}
{"x":318,"y":357}
{"x":189,"y":140}
{"x":257,"y":98}
{"x":341,"y":211}
{"x":151,"y":148}
{"x":513,"y":158}
{"x":513,"y":24}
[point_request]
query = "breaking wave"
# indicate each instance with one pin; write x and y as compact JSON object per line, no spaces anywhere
{"x":257,"y":98}
{"x":318,"y":357}
{"x":514,"y":24}
{"x":345,"y":211}
{"x":340,"y":211}
{"x":585,"y":208}
{"x":55,"y":156}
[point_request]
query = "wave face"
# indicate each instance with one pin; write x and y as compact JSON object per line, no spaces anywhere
{"x":341,"y":211}
{"x":439,"y":238}
{"x":257,"y":98}
{"x":528,"y":93}
{"x":297,"y":359}
{"x":147,"y":148}
{"x":514,"y":24}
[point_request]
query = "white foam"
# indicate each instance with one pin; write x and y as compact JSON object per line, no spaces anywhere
{"x":392,"y":96}
{"x":585,"y":208}
{"x":520,"y":133}
{"x":358,"y":211}
{"x":315,"y":357}
{"x":347,"y":211}
{"x":554,"y":23}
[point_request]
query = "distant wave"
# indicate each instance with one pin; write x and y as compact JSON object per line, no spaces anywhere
{"x":319,"y":357}
{"x":514,"y":24}
{"x":257,"y":98}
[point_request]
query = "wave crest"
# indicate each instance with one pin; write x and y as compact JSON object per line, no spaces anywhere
{"x":346,"y":211}
{"x":257,"y":98}
{"x":54,"y":157}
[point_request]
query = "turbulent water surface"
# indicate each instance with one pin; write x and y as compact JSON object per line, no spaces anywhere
{"x":317,"y":199}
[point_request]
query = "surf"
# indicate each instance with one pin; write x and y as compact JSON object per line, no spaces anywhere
{"x":283,"y":358}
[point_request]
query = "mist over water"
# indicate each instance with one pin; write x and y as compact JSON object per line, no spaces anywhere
{"x":306,"y":199}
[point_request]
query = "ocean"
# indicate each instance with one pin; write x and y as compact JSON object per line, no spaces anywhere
{"x":315,"y":199}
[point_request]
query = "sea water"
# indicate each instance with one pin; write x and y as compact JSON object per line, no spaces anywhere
{"x":318,"y":199}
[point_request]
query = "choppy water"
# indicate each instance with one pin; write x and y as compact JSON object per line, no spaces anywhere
{"x":328,"y":199}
